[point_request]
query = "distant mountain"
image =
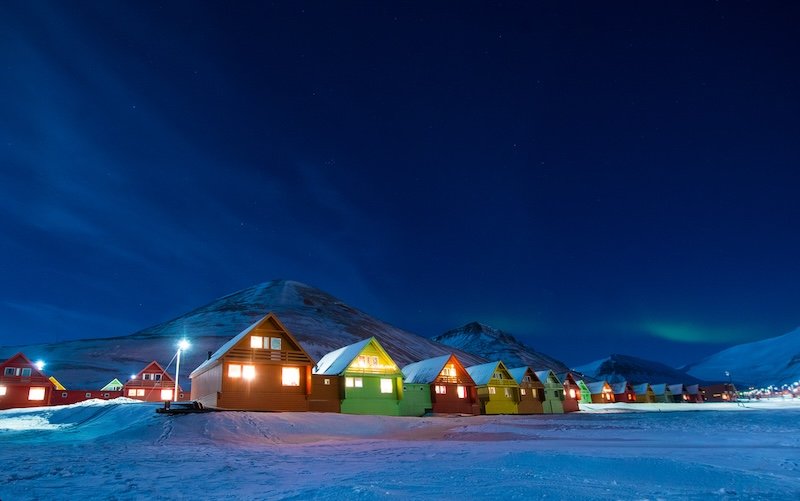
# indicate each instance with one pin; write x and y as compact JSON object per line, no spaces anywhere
{"x":321,"y":323}
{"x":494,"y":344}
{"x":617,"y":368}
{"x":773,"y":361}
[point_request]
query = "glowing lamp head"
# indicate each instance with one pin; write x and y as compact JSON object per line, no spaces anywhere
{"x":39,"y":364}
{"x":183,"y":344}
{"x":133,"y":376}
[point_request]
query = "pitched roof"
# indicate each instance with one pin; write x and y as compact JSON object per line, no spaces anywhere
{"x":544,"y":375}
{"x":676,"y":388}
{"x":597,"y":387}
{"x":111,"y":384}
{"x":482,"y":373}
{"x":26,"y":361}
{"x":519,"y":372}
{"x":641,"y":388}
{"x":238,"y":337}
{"x":693,"y":389}
{"x":659,"y":389}
{"x":620,"y":387}
{"x":425,"y":371}
{"x":336,"y":362}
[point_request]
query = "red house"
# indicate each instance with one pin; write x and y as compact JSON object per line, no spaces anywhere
{"x":623,"y":392}
{"x":447,"y":385}
{"x":22,"y":384}
{"x":152,"y":384}
{"x":572,"y":392}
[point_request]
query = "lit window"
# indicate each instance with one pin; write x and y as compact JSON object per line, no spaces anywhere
{"x":3,"y":390}
{"x":386,"y":386}
{"x":348,"y":382}
{"x":256,"y":342}
{"x":36,"y":394}
{"x":440,"y":389}
{"x":166,"y":394}
{"x":275,"y":343}
{"x":492,"y":390}
{"x":522,"y":391}
{"x":132,"y":392}
{"x":507,"y":392}
{"x":449,"y":370}
{"x":572,"y":393}
{"x":326,"y":382}
{"x":140,"y":392}
{"x":359,"y":382}
{"x":234,"y":370}
{"x":26,"y":372}
{"x":461,"y":391}
{"x":291,"y":376}
{"x":249,"y":372}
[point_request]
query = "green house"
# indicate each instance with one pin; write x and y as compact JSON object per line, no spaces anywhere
{"x":113,"y":385}
{"x":371,"y":383}
{"x":553,"y":392}
{"x":498,"y":392}
{"x":586,"y":394}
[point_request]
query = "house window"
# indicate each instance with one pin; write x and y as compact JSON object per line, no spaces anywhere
{"x":180,"y":395}
{"x":140,"y":392}
{"x":249,"y":372}
{"x":440,"y":389}
{"x":326,"y":382}
{"x":147,"y":376}
{"x":156,"y":377}
{"x":274,"y":343}
{"x":166,"y":394}
{"x":522,"y":391}
{"x":234,"y":370}
{"x":256,"y":342}
{"x":3,"y":390}
{"x":348,"y":382}
{"x":492,"y":390}
{"x":526,"y":379}
{"x":64,"y":394}
{"x":131,"y":392}
{"x":449,"y":370}
{"x":507,"y":392}
{"x":11,"y":371}
{"x":386,"y":386}
{"x":359,"y":382}
{"x":498,"y":375}
{"x":88,"y":395}
{"x":105,"y":395}
{"x":461,"y":391}
{"x":36,"y":393}
{"x":291,"y":376}
{"x":26,"y":372}
{"x":572,"y":393}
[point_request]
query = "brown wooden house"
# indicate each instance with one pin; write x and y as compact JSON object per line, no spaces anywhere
{"x":572,"y":392}
{"x":623,"y":392}
{"x":263,"y":368}
{"x":644,"y":393}
{"x":440,"y":385}
{"x":601,"y":392}
{"x":531,"y":390}
{"x":152,"y":384}
{"x":695,"y":393}
{"x":679,"y":393}
{"x":23,"y":384}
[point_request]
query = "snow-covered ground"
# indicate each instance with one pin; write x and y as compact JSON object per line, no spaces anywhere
{"x":123,"y":450}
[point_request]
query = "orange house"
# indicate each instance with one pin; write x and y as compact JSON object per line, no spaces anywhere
{"x":152,"y":384}
{"x":22,"y":384}
{"x":263,"y":368}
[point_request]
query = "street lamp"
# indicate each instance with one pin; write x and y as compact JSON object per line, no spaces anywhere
{"x":183,"y":345}
{"x":39,"y":364}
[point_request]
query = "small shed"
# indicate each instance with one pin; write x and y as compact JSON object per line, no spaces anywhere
{"x":553,"y":402}
{"x":152,"y":384}
{"x":572,"y":392}
{"x":113,"y":385}
{"x":644,"y":393}
{"x":601,"y":392}
{"x":373,"y":383}
{"x":679,"y":393}
{"x":531,"y":390}
{"x":498,"y":392}
{"x":263,"y":368}
{"x":695,"y":394}
{"x":623,"y":392}
{"x":439,"y":385}
{"x":22,"y":384}
{"x":661,"y":393}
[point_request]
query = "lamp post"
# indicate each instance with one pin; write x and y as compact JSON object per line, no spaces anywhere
{"x":183,"y":345}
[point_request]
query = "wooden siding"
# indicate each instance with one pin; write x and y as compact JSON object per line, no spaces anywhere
{"x":325,"y":397}
{"x":18,"y":386}
{"x":416,"y":400}
{"x":66,"y":397}
{"x":207,"y":385}
{"x":368,"y":399}
{"x":265,"y":392}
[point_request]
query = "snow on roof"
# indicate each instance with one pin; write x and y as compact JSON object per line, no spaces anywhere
{"x":481,"y":374}
{"x":518,"y":373}
{"x":659,"y":389}
{"x":337,"y":361}
{"x":545,"y":375}
{"x":621,"y":387}
{"x":230,"y":344}
{"x":641,"y":388}
{"x":693,"y":389}
{"x":425,"y":371}
{"x":676,"y":388}
{"x":597,"y":387}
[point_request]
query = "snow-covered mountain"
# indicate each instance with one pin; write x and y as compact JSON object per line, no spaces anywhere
{"x":772,"y":361}
{"x":321,"y":322}
{"x":494,"y":344}
{"x":617,"y":368}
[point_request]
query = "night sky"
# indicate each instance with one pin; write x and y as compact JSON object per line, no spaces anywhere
{"x":593,"y":178}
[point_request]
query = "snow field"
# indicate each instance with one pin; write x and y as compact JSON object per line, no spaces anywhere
{"x":118,"y":450}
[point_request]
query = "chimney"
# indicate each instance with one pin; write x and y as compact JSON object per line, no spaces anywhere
{"x":209,"y":355}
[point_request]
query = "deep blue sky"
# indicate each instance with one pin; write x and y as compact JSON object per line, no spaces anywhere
{"x":593,"y":178}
